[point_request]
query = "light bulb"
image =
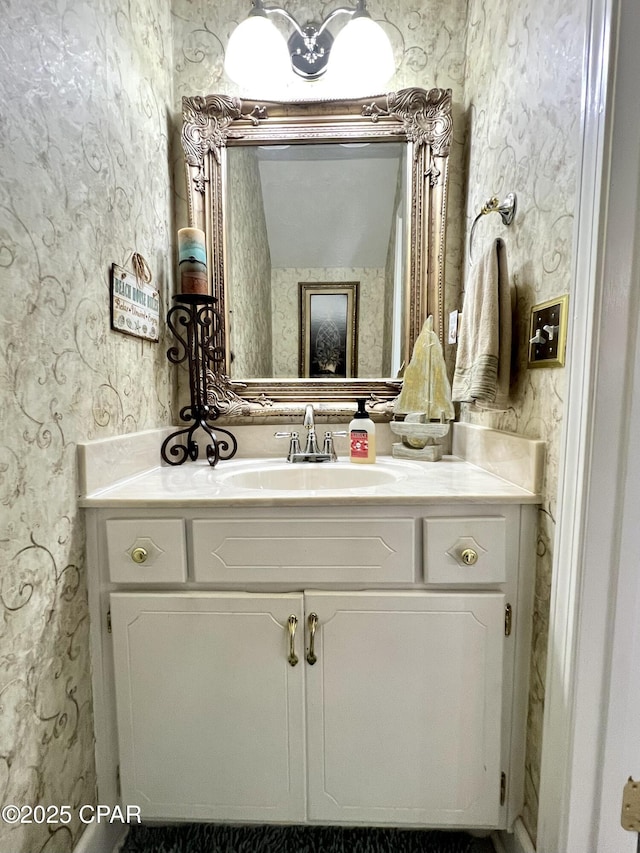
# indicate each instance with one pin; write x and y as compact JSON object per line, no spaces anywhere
{"x":257,"y":54}
{"x":361,"y":58}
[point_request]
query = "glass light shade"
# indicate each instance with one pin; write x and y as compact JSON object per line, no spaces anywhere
{"x":257,"y":54}
{"x":361,"y":57}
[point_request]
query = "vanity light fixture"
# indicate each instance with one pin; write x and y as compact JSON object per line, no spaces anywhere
{"x":360,"y":53}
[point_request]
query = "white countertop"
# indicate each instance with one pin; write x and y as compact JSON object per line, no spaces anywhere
{"x":196,"y":484}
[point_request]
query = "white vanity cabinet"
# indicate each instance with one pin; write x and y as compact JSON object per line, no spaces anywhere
{"x":412,"y":713}
{"x":403,"y":706}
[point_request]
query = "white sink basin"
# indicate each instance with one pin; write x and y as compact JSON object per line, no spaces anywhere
{"x":307,"y":476}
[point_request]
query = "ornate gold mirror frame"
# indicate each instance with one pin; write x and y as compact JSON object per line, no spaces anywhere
{"x":422,"y":118}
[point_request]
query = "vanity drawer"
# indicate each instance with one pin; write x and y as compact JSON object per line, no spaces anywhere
{"x":465,"y":550}
{"x":146,"y":550}
{"x":300,"y":550}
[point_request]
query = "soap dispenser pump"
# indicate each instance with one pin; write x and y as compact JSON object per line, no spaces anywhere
{"x":362,"y":436}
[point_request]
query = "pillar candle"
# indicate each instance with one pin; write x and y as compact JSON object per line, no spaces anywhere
{"x":192,"y":261}
{"x":191,"y":246}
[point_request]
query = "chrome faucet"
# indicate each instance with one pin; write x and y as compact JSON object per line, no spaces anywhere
{"x":312,"y":452}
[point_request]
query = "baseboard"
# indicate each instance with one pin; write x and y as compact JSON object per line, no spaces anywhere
{"x":517,"y":841}
{"x":101,"y":838}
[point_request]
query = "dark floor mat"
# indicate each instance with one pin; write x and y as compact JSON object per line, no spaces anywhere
{"x":224,"y":838}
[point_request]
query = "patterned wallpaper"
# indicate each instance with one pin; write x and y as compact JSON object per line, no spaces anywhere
{"x":523,"y":88}
{"x":84,"y":182}
{"x":286,"y":315}
{"x":249,"y":269}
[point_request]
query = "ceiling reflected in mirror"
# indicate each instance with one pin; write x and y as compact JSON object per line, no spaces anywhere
{"x":329,"y":205}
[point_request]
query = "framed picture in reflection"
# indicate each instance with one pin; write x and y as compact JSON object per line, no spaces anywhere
{"x":328,"y":330}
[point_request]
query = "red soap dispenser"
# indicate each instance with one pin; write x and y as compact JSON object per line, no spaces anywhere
{"x":362,"y":436}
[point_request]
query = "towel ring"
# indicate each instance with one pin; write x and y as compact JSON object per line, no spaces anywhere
{"x":506,"y":208}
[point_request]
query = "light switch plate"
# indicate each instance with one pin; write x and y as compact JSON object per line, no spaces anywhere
{"x":548,"y":333}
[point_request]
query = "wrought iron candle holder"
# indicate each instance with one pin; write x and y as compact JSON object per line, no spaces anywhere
{"x":197,"y":325}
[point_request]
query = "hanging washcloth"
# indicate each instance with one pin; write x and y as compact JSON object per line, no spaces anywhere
{"x":483,"y":364}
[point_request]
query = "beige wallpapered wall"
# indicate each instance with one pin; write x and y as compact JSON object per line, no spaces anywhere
{"x":84,"y":181}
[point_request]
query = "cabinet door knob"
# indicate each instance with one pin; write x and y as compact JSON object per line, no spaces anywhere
{"x":469,"y":557}
{"x":292,"y":624}
{"x":139,"y":555}
{"x":312,"y":621}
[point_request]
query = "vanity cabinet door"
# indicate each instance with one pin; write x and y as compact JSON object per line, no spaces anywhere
{"x":404,"y":708}
{"x":210,"y":712}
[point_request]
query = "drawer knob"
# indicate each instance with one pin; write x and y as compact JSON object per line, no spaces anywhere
{"x":139,"y":555}
{"x":469,"y":557}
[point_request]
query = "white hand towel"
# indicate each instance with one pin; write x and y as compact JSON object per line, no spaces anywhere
{"x":483,"y":363}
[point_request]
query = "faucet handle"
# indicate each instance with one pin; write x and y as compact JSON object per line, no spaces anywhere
{"x":294,"y":445}
{"x":329,"y":447}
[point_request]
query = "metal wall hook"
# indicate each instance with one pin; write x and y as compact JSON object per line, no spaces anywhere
{"x":506,"y":208}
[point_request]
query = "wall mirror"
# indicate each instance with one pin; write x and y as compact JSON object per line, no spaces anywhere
{"x":325,"y":230}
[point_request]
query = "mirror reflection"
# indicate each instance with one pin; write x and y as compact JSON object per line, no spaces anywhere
{"x":316,"y":264}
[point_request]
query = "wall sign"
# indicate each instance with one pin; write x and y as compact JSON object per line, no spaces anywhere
{"x":135,"y":305}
